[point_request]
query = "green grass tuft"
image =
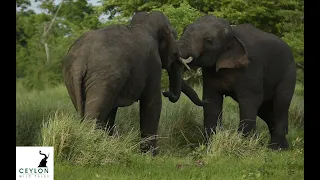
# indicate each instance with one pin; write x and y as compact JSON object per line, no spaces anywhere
{"x":230,"y":142}
{"x":48,"y":118}
{"x":81,"y":143}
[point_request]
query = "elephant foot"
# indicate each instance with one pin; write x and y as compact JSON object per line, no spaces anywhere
{"x":247,"y":128}
{"x":208,"y":136}
{"x":101,"y":126}
{"x":148,"y":147}
{"x":279,"y":145}
{"x":108,"y":129}
{"x":248,"y":134}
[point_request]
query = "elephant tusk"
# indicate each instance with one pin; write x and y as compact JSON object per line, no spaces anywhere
{"x":184,"y":64}
{"x":187,"y":60}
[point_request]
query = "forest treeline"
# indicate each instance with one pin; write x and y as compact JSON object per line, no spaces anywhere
{"x":42,"y":39}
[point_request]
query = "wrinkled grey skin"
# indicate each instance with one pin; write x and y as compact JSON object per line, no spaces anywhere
{"x":177,"y":84}
{"x":118,"y":65}
{"x":253,"y":67}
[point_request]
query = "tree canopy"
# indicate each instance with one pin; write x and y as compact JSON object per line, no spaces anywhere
{"x":42,"y":39}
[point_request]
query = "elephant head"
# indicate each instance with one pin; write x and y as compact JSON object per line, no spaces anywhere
{"x":168,"y":47}
{"x":210,"y":42}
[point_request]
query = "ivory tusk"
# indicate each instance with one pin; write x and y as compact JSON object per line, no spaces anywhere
{"x":187,"y":60}
{"x":184,"y":64}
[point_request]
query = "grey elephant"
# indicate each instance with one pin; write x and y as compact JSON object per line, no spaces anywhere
{"x":118,"y":65}
{"x":255,"y":68}
{"x":176,"y":83}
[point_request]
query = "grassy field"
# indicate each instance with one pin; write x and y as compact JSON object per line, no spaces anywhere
{"x":48,"y":118}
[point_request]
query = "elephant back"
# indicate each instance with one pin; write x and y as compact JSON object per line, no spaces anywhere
{"x":257,"y":42}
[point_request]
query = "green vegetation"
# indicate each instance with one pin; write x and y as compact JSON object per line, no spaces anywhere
{"x":48,"y":118}
{"x":42,"y":46}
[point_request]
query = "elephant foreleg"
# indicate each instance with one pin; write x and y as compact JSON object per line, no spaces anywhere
{"x":249,"y":104}
{"x":150,"y":109}
{"x":212,"y":111}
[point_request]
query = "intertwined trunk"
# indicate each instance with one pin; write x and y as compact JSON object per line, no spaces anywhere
{"x":185,"y":48}
{"x":175,"y":80}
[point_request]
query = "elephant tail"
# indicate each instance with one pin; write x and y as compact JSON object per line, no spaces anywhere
{"x":78,"y":91}
{"x":74,"y":72}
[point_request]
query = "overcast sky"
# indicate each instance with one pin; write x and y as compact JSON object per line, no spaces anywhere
{"x":34,"y":5}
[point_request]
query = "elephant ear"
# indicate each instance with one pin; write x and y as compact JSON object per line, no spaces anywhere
{"x":235,"y":55}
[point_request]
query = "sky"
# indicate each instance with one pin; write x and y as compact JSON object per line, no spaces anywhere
{"x":36,"y":9}
{"x":34,"y":5}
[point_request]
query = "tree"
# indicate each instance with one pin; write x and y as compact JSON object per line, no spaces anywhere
{"x":39,"y":69}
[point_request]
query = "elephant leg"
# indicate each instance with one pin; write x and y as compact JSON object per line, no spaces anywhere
{"x":100,"y":99}
{"x":150,"y":109}
{"x":110,"y":120}
{"x":211,"y":111}
{"x":266,"y":113}
{"x":281,"y":104}
{"x":249,"y":104}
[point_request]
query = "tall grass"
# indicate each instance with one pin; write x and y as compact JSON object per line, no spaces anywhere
{"x":48,"y":118}
{"x":82,"y":143}
{"x":34,"y":107}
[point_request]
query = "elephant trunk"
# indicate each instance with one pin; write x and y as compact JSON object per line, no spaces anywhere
{"x":185,"y":51}
{"x":191,"y":94}
{"x":175,"y":81}
{"x":177,"y":85}
{"x":185,"y":48}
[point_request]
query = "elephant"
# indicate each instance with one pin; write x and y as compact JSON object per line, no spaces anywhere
{"x":175,"y":81}
{"x":255,"y":68}
{"x":118,"y":65}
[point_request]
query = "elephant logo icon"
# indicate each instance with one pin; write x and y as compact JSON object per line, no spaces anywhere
{"x":43,"y":162}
